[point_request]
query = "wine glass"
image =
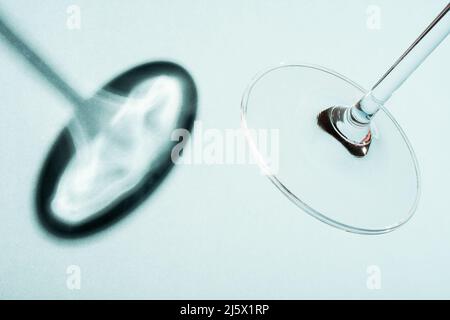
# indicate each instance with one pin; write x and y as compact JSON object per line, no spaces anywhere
{"x":342,"y":157}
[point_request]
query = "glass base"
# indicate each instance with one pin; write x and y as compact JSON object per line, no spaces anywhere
{"x":371,"y":193}
{"x":88,"y":185}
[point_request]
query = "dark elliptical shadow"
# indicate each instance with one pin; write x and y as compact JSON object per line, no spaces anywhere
{"x":63,"y":150}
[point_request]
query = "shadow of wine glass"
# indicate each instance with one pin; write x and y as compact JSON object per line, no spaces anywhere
{"x":63,"y":150}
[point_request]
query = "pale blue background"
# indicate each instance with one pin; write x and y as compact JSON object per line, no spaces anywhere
{"x":220,"y":231}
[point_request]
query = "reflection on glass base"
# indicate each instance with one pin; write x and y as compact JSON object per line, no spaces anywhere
{"x":325,"y":121}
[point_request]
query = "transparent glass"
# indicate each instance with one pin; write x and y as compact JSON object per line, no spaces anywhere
{"x":373,"y":194}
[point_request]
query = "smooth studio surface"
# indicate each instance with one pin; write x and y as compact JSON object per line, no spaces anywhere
{"x":220,"y":231}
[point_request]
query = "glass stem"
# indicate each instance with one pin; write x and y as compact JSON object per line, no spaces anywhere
{"x":363,"y":111}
